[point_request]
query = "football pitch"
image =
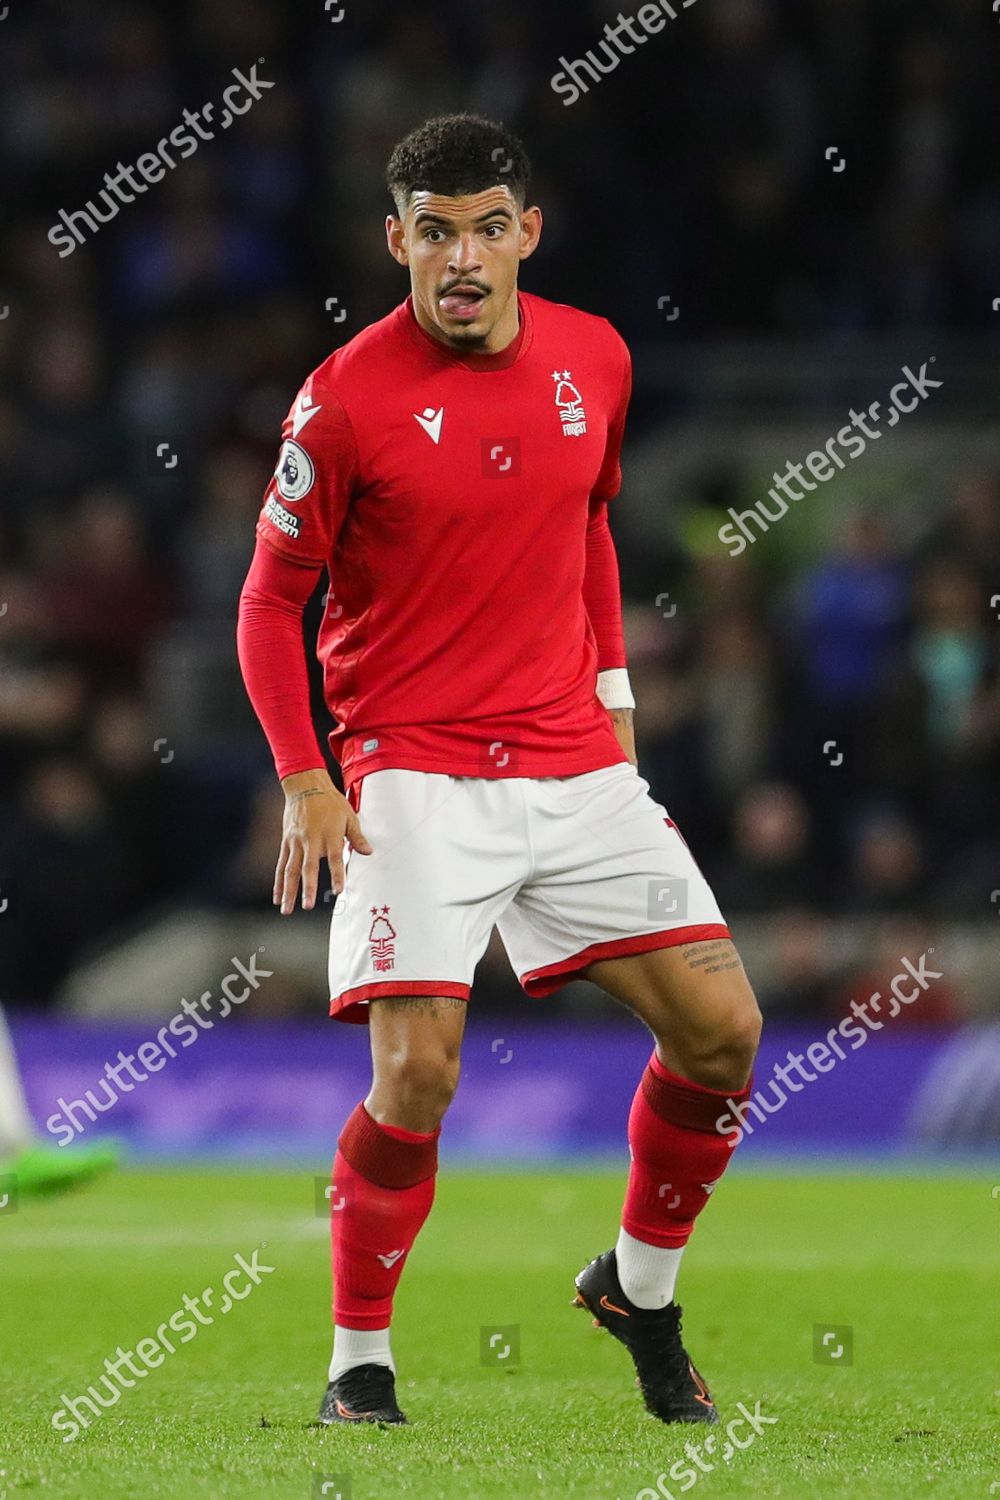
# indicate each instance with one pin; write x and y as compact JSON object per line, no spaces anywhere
{"x":860,"y":1312}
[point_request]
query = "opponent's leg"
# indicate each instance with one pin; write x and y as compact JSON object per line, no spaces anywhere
{"x":383,"y":1188}
{"x":35,"y":1165}
{"x":17,"y":1129}
{"x":696,"y":1000}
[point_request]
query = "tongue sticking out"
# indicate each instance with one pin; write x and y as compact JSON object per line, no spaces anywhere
{"x":462,"y":304}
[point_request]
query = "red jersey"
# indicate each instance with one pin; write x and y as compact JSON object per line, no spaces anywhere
{"x":449,"y":497}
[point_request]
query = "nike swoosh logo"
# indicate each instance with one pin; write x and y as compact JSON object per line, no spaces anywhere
{"x":702,"y":1393}
{"x":352,"y":1416}
{"x":390,"y":1260}
{"x":304,"y":412}
{"x":610,"y":1306}
{"x":431,"y":422}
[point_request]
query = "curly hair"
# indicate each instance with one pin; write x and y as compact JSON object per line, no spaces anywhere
{"x":455,"y":155}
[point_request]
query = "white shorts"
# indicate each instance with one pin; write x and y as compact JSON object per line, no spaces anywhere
{"x":570,"y":869}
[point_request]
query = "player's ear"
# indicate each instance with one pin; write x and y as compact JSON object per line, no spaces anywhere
{"x":395,"y":234}
{"x":531,"y":231}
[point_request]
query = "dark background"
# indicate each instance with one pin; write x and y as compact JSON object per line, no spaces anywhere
{"x":137,"y":800}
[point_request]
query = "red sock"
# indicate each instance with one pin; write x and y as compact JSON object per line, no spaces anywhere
{"x":383,"y":1188}
{"x":678,"y":1155}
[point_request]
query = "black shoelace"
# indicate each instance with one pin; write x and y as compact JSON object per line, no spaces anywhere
{"x":661,"y":1351}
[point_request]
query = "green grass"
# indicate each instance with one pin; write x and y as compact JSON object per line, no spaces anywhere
{"x":910,"y":1263}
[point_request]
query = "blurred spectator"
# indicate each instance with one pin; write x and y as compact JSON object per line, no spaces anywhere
{"x":139,"y":797}
{"x":66,"y":435}
{"x":848,"y":615}
{"x":800,"y":987}
{"x":937,"y":1004}
{"x":937,"y":727}
{"x":103,"y":597}
{"x":950,"y":655}
{"x":773,"y":863}
{"x":738,"y":690}
{"x":887,"y":871}
{"x":970,"y":529}
{"x":65,"y":870}
{"x":219,"y":540}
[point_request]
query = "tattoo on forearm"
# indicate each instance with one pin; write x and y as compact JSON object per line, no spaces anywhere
{"x":717,"y":957}
{"x":313,"y":791}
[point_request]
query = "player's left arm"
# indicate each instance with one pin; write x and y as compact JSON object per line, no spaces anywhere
{"x":602,"y":595}
{"x":603,"y":600}
{"x":621,"y":719}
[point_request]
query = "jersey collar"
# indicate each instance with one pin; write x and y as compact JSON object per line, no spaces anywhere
{"x":518,"y":346}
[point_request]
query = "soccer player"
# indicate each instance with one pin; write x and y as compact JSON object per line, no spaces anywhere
{"x":451,"y":467}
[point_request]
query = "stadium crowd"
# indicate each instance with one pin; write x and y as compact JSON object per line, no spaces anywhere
{"x":829,"y":748}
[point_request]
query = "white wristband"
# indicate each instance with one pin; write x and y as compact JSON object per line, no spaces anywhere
{"x":614,"y":688}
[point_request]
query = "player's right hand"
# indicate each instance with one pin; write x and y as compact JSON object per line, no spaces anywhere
{"x":316,"y":823}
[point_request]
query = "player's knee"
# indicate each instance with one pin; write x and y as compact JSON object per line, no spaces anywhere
{"x":723,"y":1057}
{"x":418,"y":1086}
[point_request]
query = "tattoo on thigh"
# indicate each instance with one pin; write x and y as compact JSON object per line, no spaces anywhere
{"x":420,"y":1004}
{"x":716,"y":957}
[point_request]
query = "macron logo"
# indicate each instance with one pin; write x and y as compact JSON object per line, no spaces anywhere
{"x":430,"y":420}
{"x":303,"y":412}
{"x":390,"y":1260}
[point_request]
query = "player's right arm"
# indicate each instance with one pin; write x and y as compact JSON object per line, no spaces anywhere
{"x":317,"y":817}
{"x":303,"y":511}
